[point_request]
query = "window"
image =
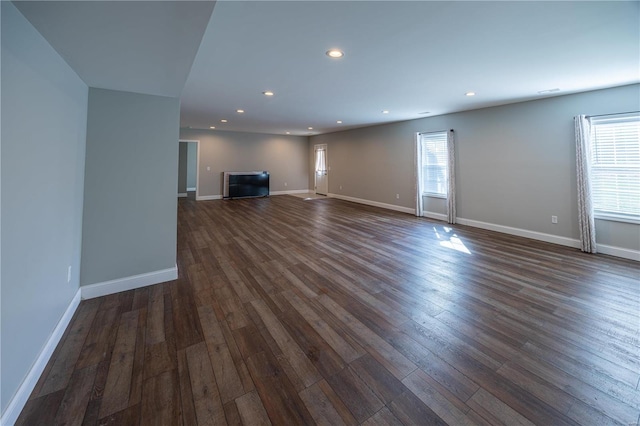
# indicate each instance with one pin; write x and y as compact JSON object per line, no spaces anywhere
{"x":615,"y":166}
{"x":321,"y":160}
{"x":434,"y":163}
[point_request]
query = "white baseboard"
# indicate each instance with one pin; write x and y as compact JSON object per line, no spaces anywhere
{"x":182,"y":194}
{"x":436,"y":216}
{"x":374,"y":203}
{"x":17,"y":403}
{"x":619,"y":252}
{"x":292,"y":191}
{"x":208,"y":197}
{"x":540,"y":236}
{"x":549,"y":238}
{"x":191,"y":189}
{"x":129,"y":283}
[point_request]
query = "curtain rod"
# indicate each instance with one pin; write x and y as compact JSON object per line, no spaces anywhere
{"x":436,"y":131}
{"x":615,"y":113}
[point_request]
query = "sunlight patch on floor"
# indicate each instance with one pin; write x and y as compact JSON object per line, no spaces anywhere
{"x":450,"y":241}
{"x":310,"y":196}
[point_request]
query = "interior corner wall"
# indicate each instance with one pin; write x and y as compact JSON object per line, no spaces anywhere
{"x":284,"y":157}
{"x":44,"y":113}
{"x":130,"y":205}
{"x":515,"y":164}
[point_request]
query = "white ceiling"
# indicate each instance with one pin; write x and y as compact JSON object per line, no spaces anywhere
{"x":136,"y":46}
{"x":405,"y":57}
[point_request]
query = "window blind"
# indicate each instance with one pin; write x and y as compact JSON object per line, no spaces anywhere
{"x":615,"y":166}
{"x":434,"y":162}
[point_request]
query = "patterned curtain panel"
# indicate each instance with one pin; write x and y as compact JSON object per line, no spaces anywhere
{"x":451,"y":181}
{"x":585,"y":204}
{"x":419,"y":178}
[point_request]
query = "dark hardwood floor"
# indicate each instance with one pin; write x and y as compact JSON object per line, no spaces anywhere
{"x":291,"y":312}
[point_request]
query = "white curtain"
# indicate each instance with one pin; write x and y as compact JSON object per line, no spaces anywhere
{"x":451,"y":178}
{"x":585,"y":205}
{"x":419,"y":182}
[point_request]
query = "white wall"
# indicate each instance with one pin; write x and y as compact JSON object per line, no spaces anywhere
{"x":284,"y":157}
{"x":130,"y":207}
{"x":44,"y":111}
{"x":515,"y":163}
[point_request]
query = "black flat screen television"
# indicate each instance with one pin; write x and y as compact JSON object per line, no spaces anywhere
{"x":254,"y":184}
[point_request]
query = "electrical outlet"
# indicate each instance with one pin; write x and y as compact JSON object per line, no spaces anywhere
{"x":208,"y":168}
{"x":397,"y":196}
{"x":554,"y":219}
{"x":285,"y":184}
{"x":340,"y":186}
{"x":68,"y":274}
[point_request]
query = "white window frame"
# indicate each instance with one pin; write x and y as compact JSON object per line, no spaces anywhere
{"x":612,"y":165}
{"x":439,"y":138}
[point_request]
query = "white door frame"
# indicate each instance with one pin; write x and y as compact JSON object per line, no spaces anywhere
{"x":315,"y":174}
{"x":197,"y":142}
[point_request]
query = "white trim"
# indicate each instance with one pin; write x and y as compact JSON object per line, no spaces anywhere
{"x":436,"y":216}
{"x":182,"y":194}
{"x":540,"y":236}
{"x":612,"y":217}
{"x":434,"y":195}
{"x":549,"y":238}
{"x":373,"y":203}
{"x":208,"y":197}
{"x":618,"y":252}
{"x":192,"y":189}
{"x":292,"y":191}
{"x":21,"y":397}
{"x":129,"y":283}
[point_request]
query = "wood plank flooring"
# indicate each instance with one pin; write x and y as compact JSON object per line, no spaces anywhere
{"x":292,"y":312}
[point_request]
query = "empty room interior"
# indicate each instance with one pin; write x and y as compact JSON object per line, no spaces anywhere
{"x":320,"y":212}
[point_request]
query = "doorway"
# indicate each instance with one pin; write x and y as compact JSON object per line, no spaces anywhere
{"x":188,"y":154}
{"x":321,"y":170}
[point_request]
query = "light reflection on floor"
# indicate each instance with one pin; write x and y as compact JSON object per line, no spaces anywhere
{"x":310,"y":196}
{"x":451,"y":241}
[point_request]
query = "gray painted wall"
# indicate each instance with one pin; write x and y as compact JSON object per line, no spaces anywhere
{"x":515,"y":163}
{"x":284,"y":157}
{"x":130,"y":205}
{"x":44,"y":112}
{"x":187,"y":157}
{"x":192,"y":154}
{"x":182,"y":167}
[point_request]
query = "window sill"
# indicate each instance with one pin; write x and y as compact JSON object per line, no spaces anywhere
{"x":615,"y":218}
{"x":430,"y":195}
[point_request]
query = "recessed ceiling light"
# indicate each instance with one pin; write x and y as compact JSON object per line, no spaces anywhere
{"x":385,"y":111}
{"x":268,"y":93}
{"x":470,"y":94}
{"x":212,"y":127}
{"x":288,"y":133}
{"x":339,"y":121}
{"x":310,"y":128}
{"x":240,"y":111}
{"x":223,"y":121}
{"x":335,"y":53}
